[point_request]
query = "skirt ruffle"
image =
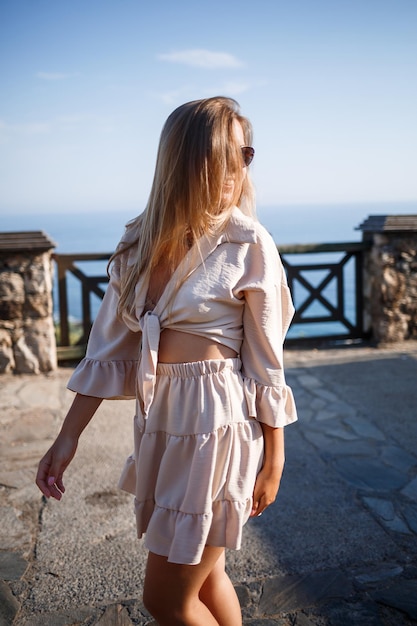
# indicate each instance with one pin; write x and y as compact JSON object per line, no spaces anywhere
{"x":195,"y":462}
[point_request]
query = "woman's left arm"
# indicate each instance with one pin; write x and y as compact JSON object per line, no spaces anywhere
{"x":267,"y":314}
{"x":269,"y":478}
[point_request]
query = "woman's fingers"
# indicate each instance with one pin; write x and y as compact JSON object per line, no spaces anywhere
{"x":265,"y":491}
{"x":56,"y":487}
{"x":48,"y":484}
{"x":42,"y":476}
{"x":51,"y":468}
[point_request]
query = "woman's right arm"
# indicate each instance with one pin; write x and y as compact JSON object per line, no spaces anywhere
{"x":52,"y":466}
{"x":107,"y":371}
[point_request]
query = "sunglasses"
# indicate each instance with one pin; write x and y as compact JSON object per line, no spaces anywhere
{"x":247,"y":153}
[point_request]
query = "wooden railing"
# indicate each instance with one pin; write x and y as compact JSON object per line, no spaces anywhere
{"x":334,"y":298}
{"x":90,"y":285}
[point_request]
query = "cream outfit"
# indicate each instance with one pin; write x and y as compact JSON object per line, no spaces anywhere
{"x":198,"y":441}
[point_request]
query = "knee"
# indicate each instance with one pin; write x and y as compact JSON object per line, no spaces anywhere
{"x":164,"y":610}
{"x":161,"y":607}
{"x":151,"y":601}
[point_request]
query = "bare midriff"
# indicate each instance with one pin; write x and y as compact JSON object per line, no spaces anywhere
{"x":178,"y":347}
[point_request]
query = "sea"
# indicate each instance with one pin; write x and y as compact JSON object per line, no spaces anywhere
{"x":95,"y":231}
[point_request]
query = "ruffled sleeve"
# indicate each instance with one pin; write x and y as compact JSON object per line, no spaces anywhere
{"x":267,"y":315}
{"x":110,"y":365}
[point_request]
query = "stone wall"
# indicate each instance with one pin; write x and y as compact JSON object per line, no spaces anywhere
{"x":390,"y":285}
{"x":27,"y":335}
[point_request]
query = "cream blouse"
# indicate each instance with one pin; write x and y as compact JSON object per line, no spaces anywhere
{"x":234,"y":292}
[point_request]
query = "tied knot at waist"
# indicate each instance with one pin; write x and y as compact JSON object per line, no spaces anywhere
{"x":151,"y":333}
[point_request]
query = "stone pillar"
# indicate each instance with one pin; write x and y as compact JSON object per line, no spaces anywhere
{"x":390,"y":277}
{"x":27,"y":335}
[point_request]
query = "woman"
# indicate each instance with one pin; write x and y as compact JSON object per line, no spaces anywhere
{"x":192,"y":325}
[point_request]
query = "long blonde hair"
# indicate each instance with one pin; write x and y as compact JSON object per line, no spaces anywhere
{"x":197,"y":153}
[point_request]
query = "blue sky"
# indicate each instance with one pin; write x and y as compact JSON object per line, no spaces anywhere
{"x":330,"y":87}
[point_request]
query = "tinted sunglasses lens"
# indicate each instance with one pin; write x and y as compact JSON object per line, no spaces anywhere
{"x":248,"y":153}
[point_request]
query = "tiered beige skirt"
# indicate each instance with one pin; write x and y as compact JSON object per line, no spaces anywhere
{"x":195,"y":461}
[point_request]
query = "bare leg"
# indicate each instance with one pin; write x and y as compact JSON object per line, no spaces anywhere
{"x":219,"y":596}
{"x":172,"y":591}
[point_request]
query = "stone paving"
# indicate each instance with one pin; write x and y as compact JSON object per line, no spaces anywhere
{"x":338,"y":547}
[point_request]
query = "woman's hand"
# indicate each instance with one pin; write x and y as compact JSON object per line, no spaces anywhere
{"x":60,"y":454}
{"x":265,"y":491}
{"x":269,"y":478}
{"x":53,"y":464}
